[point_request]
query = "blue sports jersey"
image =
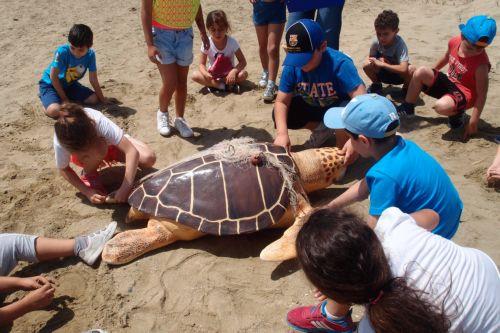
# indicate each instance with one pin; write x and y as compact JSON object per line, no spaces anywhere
{"x":410,"y":179}
{"x":302,"y":5}
{"x":326,"y":85}
{"x":71,"y":69}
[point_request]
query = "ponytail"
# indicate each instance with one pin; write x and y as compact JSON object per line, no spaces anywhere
{"x":344,"y":259}
{"x":74,"y":129}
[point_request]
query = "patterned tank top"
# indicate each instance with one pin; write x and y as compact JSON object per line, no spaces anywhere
{"x":174,"y":14}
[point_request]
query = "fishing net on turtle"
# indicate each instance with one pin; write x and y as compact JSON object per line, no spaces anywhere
{"x":241,"y":152}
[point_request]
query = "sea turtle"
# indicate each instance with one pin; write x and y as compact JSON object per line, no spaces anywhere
{"x":224,"y":191}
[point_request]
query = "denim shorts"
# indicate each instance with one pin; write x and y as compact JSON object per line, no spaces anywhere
{"x":175,"y":46}
{"x":75,"y":92}
{"x":265,"y":13}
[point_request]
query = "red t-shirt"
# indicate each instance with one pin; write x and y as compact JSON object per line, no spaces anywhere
{"x":462,"y":71}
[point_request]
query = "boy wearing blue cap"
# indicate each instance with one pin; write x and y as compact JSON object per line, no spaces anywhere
{"x":404,"y":176}
{"x":466,"y":84}
{"x":314,"y":78}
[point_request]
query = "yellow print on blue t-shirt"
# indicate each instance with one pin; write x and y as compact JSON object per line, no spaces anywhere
{"x":75,"y":73}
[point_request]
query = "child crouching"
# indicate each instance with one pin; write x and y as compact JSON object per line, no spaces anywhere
{"x":87,"y":138}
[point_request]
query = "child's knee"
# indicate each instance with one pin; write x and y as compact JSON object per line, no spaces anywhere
{"x":53,"y":110}
{"x":196,"y":76}
{"x":272,"y":49}
{"x":445,"y":106}
{"x":422,"y":72}
{"x":148,"y":159}
{"x":92,"y":99}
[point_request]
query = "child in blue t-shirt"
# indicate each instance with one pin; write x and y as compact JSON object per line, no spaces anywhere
{"x":59,"y":83}
{"x":314,"y":78}
{"x":404,"y":175}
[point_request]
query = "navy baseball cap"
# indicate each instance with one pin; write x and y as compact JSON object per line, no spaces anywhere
{"x":302,"y":38}
{"x":369,"y":115}
{"x":478,"y":27}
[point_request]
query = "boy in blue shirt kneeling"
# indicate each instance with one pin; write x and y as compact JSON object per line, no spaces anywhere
{"x":59,"y":83}
{"x":404,"y":175}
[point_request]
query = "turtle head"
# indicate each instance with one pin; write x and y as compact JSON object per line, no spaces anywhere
{"x":319,"y":168}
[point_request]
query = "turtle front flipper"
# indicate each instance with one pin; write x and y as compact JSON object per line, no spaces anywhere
{"x":284,"y":248}
{"x":128,"y":245}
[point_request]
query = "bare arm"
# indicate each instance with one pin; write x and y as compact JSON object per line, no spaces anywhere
{"x":201,"y":27}
{"x":242,"y":62}
{"x":131,"y":163}
{"x":147,"y":29}
{"x":281,"y":106}
{"x":481,"y":77}
{"x":355,"y":193}
{"x":203,"y":65}
{"x":36,"y":299}
{"x":8,"y":284}
{"x":442,"y":61}
{"x":69,"y":174}
{"x":54,"y":72}
{"x":94,"y":81}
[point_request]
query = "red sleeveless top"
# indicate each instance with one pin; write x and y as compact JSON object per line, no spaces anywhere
{"x":462,"y":71}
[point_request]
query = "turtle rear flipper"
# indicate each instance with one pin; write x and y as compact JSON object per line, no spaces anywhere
{"x":128,"y":245}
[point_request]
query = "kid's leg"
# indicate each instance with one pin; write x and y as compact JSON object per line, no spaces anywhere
{"x":147,"y":156}
{"x":261,"y":31}
{"x":274,"y":33}
{"x":423,"y":77}
{"x":328,"y":315}
{"x":168,"y":75}
{"x":87,"y":247}
{"x":180,"y":102}
{"x":371,"y":71}
{"x":242,"y":76}
{"x":198,"y":77}
{"x":53,"y":110}
{"x":50,"y":100}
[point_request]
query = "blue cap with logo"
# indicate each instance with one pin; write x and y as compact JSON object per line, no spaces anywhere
{"x":370,"y":115}
{"x":302,"y":38}
{"x":478,"y":27}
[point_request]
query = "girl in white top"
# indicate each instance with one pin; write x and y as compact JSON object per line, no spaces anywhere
{"x":221,"y":73}
{"x":409,"y":279}
{"x":87,"y":138}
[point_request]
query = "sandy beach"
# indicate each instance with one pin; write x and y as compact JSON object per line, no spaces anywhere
{"x":211,"y":284}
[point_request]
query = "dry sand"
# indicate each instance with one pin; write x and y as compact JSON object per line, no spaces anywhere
{"x":212,"y":284}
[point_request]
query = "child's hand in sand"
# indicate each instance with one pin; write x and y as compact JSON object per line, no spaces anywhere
{"x":95,"y":197}
{"x":470,"y":128}
{"x":39,"y":298}
{"x":35,"y":282}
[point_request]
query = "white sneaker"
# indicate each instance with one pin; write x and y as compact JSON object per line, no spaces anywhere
{"x":263,"y":79}
{"x":270,"y":92}
{"x":183,"y":128}
{"x":96,"y":242}
{"x":162,"y":123}
{"x":319,"y":136}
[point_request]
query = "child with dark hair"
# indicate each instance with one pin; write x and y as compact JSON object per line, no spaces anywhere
{"x":59,"y":83}
{"x":388,"y":60}
{"x":87,"y":138}
{"x":408,"y":279}
{"x":222,"y":71}
{"x":18,"y":247}
{"x":466,"y":84}
{"x":404,"y":176}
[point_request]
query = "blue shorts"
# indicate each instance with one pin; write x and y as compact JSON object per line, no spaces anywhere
{"x":265,"y":13}
{"x":75,"y":92}
{"x":175,"y":46}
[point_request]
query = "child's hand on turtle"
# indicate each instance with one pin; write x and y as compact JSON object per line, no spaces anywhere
{"x":95,"y":197}
{"x":121,"y":195}
{"x":231,"y":77}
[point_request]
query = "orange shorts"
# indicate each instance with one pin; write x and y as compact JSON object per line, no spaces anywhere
{"x":112,"y":156}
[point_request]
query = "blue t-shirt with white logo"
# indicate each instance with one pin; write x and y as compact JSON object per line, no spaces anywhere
{"x":326,"y":85}
{"x":410,"y":179}
{"x":71,"y":69}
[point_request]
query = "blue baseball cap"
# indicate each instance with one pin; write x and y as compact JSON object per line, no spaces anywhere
{"x":477,"y":27}
{"x":302,"y":38}
{"x":369,"y":115}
